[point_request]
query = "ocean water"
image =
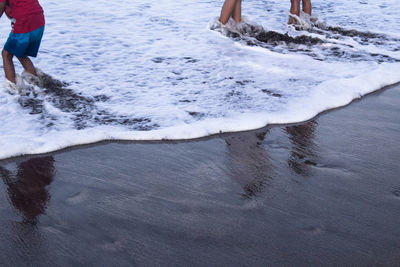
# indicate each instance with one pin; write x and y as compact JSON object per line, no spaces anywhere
{"x":154,"y":70}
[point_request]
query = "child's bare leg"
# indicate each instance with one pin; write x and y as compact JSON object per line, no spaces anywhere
{"x":226,"y":11}
{"x":8,"y":65}
{"x":307,"y":6}
{"x":28,"y":65}
{"x":295,"y":10}
{"x":237,"y":11}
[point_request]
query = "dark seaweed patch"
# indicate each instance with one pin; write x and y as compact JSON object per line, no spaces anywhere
{"x":196,"y":114}
{"x":167,"y":60}
{"x":233,"y":93}
{"x":255,"y":35}
{"x":244,"y":82}
{"x":82,"y":109}
{"x":101,"y":98}
{"x":354,"y":33}
{"x":362,"y":37}
{"x":271,"y":93}
{"x":187,"y":101}
{"x":190,"y":60}
{"x":35,"y":105}
{"x":160,"y":59}
{"x":272,"y":37}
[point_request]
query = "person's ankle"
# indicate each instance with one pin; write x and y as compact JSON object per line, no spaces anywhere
{"x":10,"y":80}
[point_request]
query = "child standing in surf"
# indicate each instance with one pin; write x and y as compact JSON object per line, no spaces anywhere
{"x":27,"y":21}
{"x":231,"y":8}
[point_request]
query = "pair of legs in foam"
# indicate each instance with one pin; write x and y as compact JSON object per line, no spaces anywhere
{"x":231,"y":8}
{"x":9,"y":69}
{"x":295,"y":9}
{"x":23,"y":46}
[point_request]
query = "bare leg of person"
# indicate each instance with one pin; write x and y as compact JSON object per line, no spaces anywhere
{"x":295,"y":10}
{"x":8,"y":64}
{"x":307,"y":6}
{"x":226,"y":11}
{"x":237,"y":11}
{"x":28,"y":65}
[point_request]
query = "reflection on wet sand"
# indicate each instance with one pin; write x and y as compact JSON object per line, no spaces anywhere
{"x":27,"y":187}
{"x":250,"y":166}
{"x":302,"y":154}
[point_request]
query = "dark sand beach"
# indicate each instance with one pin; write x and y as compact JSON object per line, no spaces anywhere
{"x":324,"y":192}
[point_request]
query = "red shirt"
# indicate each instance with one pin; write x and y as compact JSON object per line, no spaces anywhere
{"x":28,"y":15}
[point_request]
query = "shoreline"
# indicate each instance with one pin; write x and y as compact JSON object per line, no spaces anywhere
{"x":204,"y":138}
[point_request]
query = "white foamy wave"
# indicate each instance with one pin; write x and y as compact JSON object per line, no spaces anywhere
{"x":153,"y":71}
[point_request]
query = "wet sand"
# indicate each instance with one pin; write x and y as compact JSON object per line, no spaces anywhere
{"x":324,"y":192}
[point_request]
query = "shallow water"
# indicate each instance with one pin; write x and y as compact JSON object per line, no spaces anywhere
{"x":154,"y":70}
